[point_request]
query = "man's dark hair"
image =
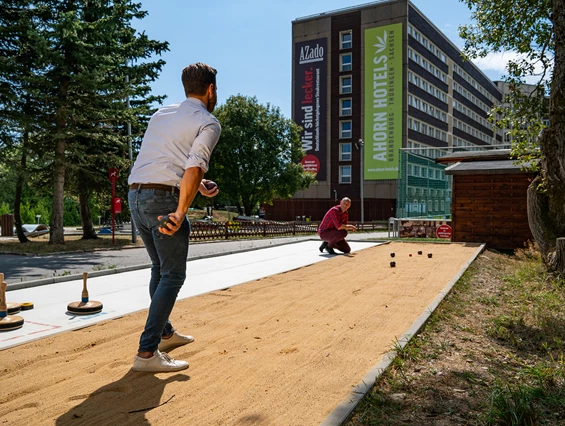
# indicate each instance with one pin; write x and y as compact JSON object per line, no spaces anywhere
{"x":197,"y":77}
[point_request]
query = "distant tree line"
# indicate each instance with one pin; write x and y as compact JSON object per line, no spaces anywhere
{"x":66,"y":70}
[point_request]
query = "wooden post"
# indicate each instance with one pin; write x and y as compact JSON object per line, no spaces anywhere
{"x":558,"y":258}
{"x":3,"y":304}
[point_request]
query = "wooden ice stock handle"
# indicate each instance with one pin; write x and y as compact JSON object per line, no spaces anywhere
{"x":3,"y":286}
{"x":84,"y":290}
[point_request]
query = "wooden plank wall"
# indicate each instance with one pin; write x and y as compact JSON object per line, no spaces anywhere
{"x":491,"y":209}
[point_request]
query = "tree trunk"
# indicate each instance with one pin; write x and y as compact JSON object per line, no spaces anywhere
{"x":88,"y":232}
{"x":546,"y":194}
{"x":540,"y":221}
{"x":558,"y":259}
{"x":19,"y":189}
{"x":57,"y":231}
{"x":248,"y":208}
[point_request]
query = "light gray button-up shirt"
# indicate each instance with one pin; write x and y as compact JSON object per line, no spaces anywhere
{"x":178,"y":137}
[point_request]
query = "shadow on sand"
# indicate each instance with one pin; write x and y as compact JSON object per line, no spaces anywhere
{"x":123,"y":402}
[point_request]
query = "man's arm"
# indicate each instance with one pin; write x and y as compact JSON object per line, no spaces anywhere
{"x":344,"y":225}
{"x":188,"y":188}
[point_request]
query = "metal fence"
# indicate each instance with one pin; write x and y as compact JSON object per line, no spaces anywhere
{"x":251,"y":229}
{"x":423,"y":189}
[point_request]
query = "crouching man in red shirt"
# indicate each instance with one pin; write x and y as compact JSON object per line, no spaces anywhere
{"x":334,"y":227}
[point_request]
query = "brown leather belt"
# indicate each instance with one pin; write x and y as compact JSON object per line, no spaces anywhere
{"x":157,"y":186}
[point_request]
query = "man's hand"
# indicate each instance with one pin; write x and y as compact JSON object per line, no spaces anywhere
{"x":175,"y":221}
{"x":351,"y":228}
{"x":208,"y":192}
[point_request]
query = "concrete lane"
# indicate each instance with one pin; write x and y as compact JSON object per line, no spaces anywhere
{"x":19,"y":269}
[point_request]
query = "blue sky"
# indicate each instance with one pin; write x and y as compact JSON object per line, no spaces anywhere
{"x":249,"y":42}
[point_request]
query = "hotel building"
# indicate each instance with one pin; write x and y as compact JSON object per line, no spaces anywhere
{"x":367,"y":82}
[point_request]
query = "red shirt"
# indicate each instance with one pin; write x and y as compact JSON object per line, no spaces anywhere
{"x":334,"y":218}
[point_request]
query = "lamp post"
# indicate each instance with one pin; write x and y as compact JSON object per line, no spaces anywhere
{"x":360,"y":147}
{"x":37,"y":216}
{"x":133,"y":230}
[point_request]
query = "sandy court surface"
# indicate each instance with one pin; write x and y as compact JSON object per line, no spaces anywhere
{"x":283,"y":350}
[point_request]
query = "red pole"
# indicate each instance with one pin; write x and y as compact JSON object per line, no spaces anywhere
{"x":113,"y":209}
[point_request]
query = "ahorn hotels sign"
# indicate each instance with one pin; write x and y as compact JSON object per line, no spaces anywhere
{"x":383,"y":101}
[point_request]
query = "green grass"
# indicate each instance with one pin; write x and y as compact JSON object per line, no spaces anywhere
{"x":73,"y":243}
{"x":493,"y":353}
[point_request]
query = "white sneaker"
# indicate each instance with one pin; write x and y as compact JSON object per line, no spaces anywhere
{"x":174,"y":341}
{"x":158,"y":363}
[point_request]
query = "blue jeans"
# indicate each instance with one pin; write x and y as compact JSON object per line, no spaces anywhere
{"x":168,"y":260}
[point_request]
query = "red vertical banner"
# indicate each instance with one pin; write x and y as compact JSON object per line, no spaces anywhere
{"x":310,"y":102}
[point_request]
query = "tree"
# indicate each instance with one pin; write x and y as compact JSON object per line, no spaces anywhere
{"x":82,"y":52}
{"x":257,"y":158}
{"x":19,"y":111}
{"x":536,"y":31}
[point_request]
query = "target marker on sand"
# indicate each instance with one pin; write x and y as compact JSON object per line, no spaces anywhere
{"x":7,"y":322}
{"x":85,"y":306}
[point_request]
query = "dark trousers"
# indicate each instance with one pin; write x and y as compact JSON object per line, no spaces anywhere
{"x":168,"y":261}
{"x":336,"y":239}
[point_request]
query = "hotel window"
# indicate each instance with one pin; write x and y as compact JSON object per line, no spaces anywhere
{"x":345,"y":84}
{"x":346,"y":62}
{"x":345,"y":174}
{"x":346,"y":38}
{"x":344,"y":152}
{"x":344,"y":107}
{"x":345,"y":129}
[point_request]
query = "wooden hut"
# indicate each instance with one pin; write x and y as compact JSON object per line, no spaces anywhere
{"x":489,"y":199}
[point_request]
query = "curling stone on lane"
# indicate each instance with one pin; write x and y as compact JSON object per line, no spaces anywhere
{"x":13,"y":308}
{"x":85,"y":306}
{"x":26,"y":306}
{"x":7,"y":322}
{"x":430,"y":255}
{"x":393,"y":264}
